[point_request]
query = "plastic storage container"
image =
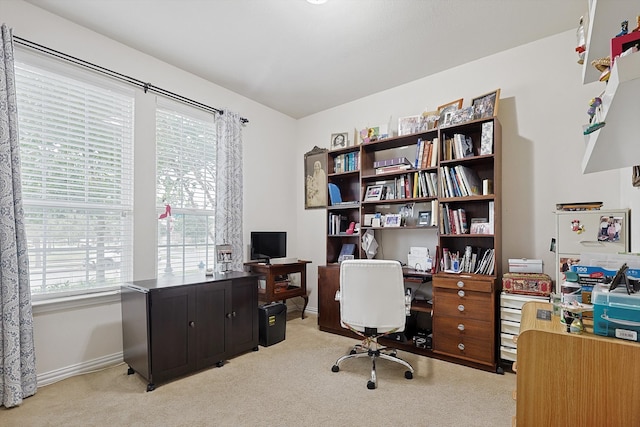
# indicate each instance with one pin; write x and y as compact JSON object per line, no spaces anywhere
{"x":616,"y":313}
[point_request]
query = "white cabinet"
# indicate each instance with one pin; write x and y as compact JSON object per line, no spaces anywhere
{"x":579,"y":232}
{"x":510,"y":315}
{"x":615,"y":145}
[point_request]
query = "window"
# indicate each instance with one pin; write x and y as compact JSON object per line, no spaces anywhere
{"x":76,"y":146}
{"x":185,"y":188}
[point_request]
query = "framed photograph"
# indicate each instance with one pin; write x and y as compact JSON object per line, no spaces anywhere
{"x":374,"y":192}
{"x":315,"y":178}
{"x":392,"y":220}
{"x":424,"y":218}
{"x":339,"y":140}
{"x":486,"y":105}
{"x":445,"y":112}
{"x":410,"y":124}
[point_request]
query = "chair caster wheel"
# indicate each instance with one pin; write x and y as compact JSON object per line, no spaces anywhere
{"x":408,"y":374}
{"x":352,"y":352}
{"x":371,"y":385}
{"x":335,"y":368}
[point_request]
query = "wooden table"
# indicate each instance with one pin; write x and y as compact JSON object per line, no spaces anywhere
{"x":568,"y":379}
{"x":275,"y":284}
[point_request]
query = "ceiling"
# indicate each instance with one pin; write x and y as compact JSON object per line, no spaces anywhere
{"x":299,"y":58}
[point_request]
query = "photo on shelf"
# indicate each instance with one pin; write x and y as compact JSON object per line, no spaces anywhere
{"x":410,"y":124}
{"x":486,"y":105}
{"x":424,"y":218}
{"x":392,"y":220}
{"x":374,"y":192}
{"x":339,"y":140}
{"x":446,"y":111}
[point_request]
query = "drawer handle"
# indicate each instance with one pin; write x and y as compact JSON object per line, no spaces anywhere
{"x":461,"y":327}
{"x":461,"y":307}
{"x":228,"y":315}
{"x":461,"y":293}
{"x":192,"y":324}
{"x":460,"y":284}
{"x":461,"y":347}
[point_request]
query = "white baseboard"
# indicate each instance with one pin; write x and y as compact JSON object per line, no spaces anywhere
{"x":54,"y":376}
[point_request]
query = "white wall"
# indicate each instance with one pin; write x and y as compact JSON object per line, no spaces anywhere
{"x":542,"y":108}
{"x":72,"y":338}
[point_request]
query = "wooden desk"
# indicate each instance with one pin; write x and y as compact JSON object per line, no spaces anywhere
{"x":574,"y":379}
{"x":275,"y":277}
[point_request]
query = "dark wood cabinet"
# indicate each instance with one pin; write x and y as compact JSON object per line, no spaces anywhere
{"x":328,"y":307}
{"x":175,"y":326}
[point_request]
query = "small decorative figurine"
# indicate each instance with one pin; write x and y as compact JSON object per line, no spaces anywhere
{"x":595,"y":106}
{"x":624,"y":28}
{"x":581,"y":48}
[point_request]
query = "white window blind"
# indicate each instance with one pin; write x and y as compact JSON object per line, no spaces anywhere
{"x":185,"y":181}
{"x":76,"y":147}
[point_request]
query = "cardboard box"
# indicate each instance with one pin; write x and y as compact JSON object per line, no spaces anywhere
{"x":616,"y":313}
{"x":524,"y":265}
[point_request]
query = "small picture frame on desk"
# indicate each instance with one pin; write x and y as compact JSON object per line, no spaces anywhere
{"x":392,"y":220}
{"x":374,"y":192}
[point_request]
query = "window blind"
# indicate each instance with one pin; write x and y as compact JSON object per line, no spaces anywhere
{"x":185,"y":187}
{"x":76,"y":146}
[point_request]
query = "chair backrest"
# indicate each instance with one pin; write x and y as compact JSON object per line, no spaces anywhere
{"x":372,"y":295}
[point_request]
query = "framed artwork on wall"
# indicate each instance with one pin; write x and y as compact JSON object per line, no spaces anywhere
{"x":315,"y":178}
{"x":339,"y":140}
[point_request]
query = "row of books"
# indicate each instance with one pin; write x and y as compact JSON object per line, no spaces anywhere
{"x":474,"y":260}
{"x":410,"y":185}
{"x":426,"y":154}
{"x":454,"y":221}
{"x":460,"y":181}
{"x":458,"y":147}
{"x":346,"y":162}
{"x":338,"y":224}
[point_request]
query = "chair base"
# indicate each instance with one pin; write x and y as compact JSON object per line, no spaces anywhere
{"x":360,"y":351}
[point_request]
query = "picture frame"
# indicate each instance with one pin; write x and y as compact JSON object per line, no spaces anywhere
{"x":409,"y":124}
{"x":373,"y":193}
{"x":446,"y":111}
{"x":315,"y":178}
{"x":486,"y":105}
{"x":392,"y":220}
{"x":339,"y":140}
{"x":424,"y":218}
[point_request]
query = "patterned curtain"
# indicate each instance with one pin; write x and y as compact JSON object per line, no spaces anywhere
{"x":17,"y":357}
{"x":228,"y":223}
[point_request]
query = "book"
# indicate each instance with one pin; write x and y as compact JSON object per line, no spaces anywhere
{"x":334,"y":194}
{"x":471,"y":179}
{"x":391,"y":162}
{"x":486,"y":138}
{"x":392,"y":168}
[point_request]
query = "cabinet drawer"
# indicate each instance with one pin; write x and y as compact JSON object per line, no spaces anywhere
{"x":469,"y":327}
{"x":510,"y":314}
{"x":464,"y":283}
{"x":464,"y":347}
{"x":463,"y":304}
{"x":510,"y":327}
{"x":508,"y":353}
{"x":517,"y":301}
{"x":507,"y":340}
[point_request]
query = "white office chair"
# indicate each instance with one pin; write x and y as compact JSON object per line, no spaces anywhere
{"x":372,"y":304}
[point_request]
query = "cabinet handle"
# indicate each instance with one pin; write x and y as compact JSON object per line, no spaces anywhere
{"x":228,"y":315}
{"x":192,"y":324}
{"x":461,"y":327}
{"x":461,"y":307}
{"x":460,"y":293}
{"x":461,"y":346}
{"x":233,"y":313}
{"x":460,"y":284}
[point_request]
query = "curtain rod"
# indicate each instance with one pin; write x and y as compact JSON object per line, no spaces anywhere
{"x":147,"y":87}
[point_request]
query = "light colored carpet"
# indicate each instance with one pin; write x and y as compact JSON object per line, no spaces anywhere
{"x":286,"y":384}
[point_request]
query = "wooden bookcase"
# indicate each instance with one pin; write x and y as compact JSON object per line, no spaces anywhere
{"x":466,"y":336}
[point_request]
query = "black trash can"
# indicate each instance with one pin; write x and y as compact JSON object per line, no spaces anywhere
{"x":272,"y":323}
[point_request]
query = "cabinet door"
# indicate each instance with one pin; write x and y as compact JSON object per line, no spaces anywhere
{"x":172,"y":333}
{"x":243,"y":323}
{"x":328,"y":307}
{"x":214,"y":301}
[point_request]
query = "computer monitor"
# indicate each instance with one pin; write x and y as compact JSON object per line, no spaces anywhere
{"x":266,"y":245}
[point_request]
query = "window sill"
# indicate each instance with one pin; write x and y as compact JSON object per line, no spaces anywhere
{"x":76,"y":301}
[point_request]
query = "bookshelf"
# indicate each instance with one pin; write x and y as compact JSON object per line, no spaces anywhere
{"x":464,"y":322}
